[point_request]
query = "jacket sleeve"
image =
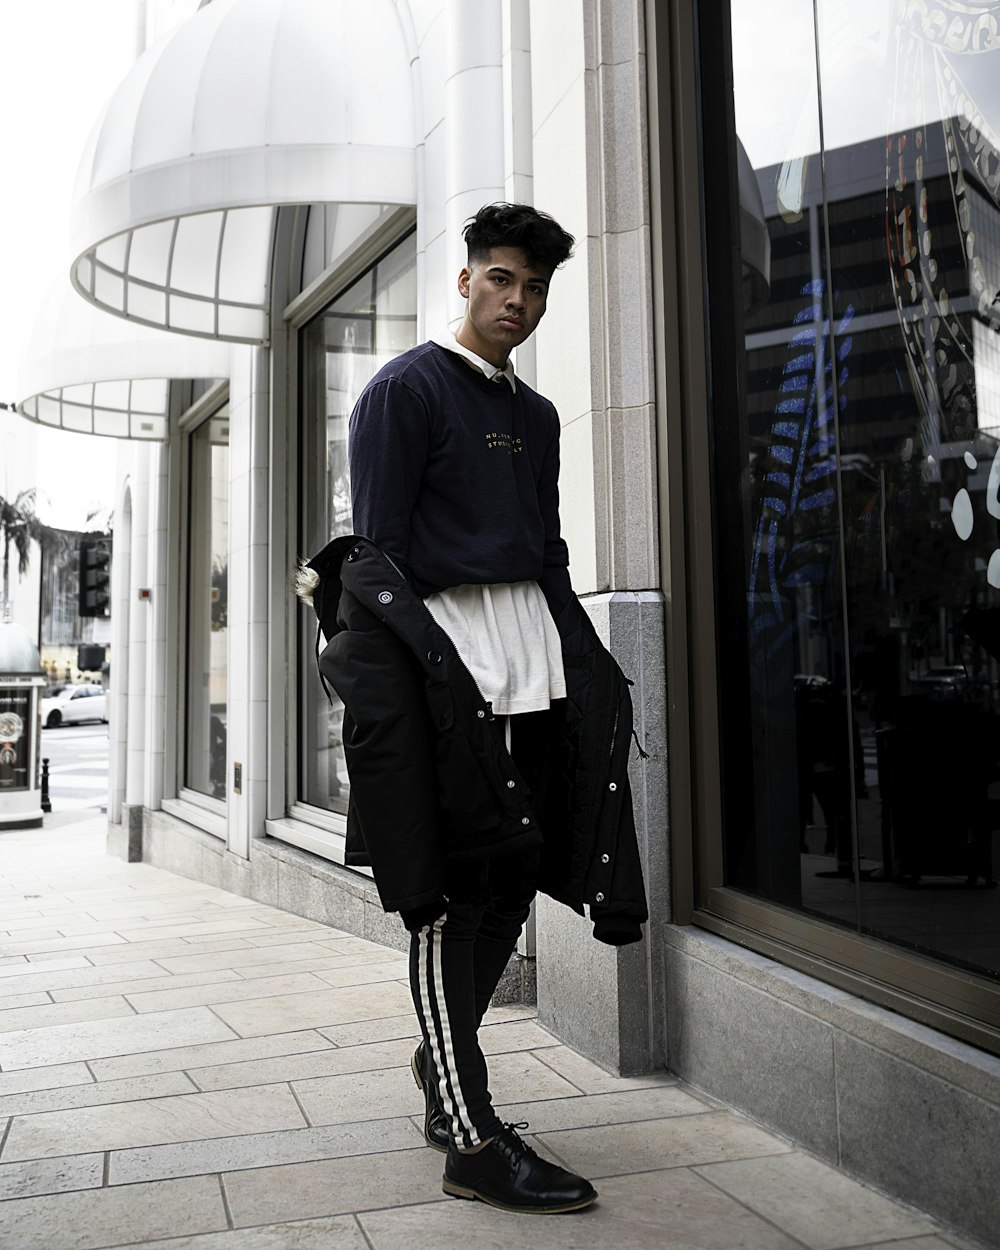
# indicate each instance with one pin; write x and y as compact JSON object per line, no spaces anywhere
{"x":614,"y":885}
{"x":619,"y":921}
{"x":388,"y":441}
{"x":618,"y":917}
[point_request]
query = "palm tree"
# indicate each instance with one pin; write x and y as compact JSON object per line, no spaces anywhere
{"x":18,"y":525}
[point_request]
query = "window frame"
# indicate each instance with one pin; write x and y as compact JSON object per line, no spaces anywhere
{"x":697,"y":286}
{"x":205,"y":812}
{"x":291,"y":820}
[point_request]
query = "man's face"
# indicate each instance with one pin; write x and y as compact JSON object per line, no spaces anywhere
{"x":506,"y":295}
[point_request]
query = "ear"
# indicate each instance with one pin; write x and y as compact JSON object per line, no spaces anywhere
{"x":463,"y":282}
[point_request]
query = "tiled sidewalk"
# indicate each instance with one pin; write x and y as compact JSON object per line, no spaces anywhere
{"x":184,"y":1067}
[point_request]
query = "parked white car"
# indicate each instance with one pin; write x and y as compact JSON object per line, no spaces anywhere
{"x":69,"y":705}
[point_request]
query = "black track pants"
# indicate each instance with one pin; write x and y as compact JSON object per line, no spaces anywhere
{"x":456,"y":962}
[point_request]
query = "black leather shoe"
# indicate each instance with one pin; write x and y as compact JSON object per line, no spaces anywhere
{"x":508,"y":1174}
{"x":435,"y":1121}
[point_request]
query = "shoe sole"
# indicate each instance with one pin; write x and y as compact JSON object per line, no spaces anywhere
{"x":459,"y":1191}
{"x":420,"y":1085}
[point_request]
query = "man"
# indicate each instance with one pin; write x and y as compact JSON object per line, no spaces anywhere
{"x":474,"y":779}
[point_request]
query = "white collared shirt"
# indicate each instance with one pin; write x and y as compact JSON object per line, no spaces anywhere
{"x":448,"y":341}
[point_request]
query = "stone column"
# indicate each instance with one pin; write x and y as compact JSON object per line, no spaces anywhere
{"x":595,"y":362}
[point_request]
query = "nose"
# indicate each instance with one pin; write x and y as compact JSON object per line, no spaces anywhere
{"x":515,"y":298}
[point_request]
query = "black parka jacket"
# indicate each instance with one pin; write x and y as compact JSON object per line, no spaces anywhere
{"x":430,"y":774}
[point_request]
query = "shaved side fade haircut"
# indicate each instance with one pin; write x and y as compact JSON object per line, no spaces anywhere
{"x":537,"y":234}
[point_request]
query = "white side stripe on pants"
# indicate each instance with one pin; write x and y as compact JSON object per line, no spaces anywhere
{"x":434,"y":1008}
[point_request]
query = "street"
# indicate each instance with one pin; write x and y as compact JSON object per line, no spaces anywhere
{"x":78,"y":766}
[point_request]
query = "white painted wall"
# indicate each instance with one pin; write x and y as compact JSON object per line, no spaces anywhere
{"x":247,"y":713}
{"x":562,"y":107}
{"x":594,"y":347}
{"x":119,"y":706}
{"x":157,"y":547}
{"x":138,"y":627}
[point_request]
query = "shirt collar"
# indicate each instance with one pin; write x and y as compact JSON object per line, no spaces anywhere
{"x":448,"y":341}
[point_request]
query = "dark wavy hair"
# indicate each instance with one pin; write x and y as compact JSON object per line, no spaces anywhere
{"x":518,"y":225}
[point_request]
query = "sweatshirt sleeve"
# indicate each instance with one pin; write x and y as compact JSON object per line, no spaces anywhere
{"x":554,"y":581}
{"x":388,"y":439}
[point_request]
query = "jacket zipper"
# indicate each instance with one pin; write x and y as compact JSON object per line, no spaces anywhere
{"x":487,"y":703}
{"x":390,"y":561}
{"x":607,"y":776}
{"x":614,"y":737}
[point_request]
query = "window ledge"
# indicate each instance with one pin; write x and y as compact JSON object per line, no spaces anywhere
{"x":193,"y":813}
{"x":944,"y":999}
{"x":324,"y":837}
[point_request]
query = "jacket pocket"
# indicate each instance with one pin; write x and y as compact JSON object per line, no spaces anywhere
{"x":387,"y":746}
{"x":465,"y":766}
{"x":441,"y":706}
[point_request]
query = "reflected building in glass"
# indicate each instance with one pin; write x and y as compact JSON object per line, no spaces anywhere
{"x":872,"y":372}
{"x":854,"y":446}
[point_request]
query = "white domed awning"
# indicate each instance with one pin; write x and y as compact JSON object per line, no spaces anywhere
{"x":96,"y":374}
{"x":249,"y":105}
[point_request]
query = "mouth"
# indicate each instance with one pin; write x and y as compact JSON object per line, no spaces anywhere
{"x":511,"y":323}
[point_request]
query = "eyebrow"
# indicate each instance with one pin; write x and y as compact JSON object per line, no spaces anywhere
{"x":510,"y":274}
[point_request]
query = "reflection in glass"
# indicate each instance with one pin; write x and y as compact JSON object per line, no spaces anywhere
{"x":371,"y":322}
{"x":208,"y":607}
{"x":869,"y":451}
{"x":333,"y":231}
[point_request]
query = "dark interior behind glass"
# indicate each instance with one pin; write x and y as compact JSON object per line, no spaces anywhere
{"x":857,"y":470}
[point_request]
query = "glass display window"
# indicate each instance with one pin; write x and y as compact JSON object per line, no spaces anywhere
{"x":360,"y":330}
{"x":856,"y":467}
{"x":206,"y":660}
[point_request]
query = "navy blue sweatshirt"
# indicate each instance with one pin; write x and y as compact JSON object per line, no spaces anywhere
{"x":456,"y":477}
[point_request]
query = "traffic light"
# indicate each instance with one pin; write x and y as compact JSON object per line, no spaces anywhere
{"x":95,"y":578}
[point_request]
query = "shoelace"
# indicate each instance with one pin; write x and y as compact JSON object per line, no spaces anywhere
{"x":512,"y":1142}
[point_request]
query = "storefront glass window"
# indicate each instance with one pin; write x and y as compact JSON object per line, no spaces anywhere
{"x":334,"y":230}
{"x":361,"y":330}
{"x":858,"y":475}
{"x":207,"y":607}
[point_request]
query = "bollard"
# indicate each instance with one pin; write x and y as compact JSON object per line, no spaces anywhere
{"x":46,"y":801}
